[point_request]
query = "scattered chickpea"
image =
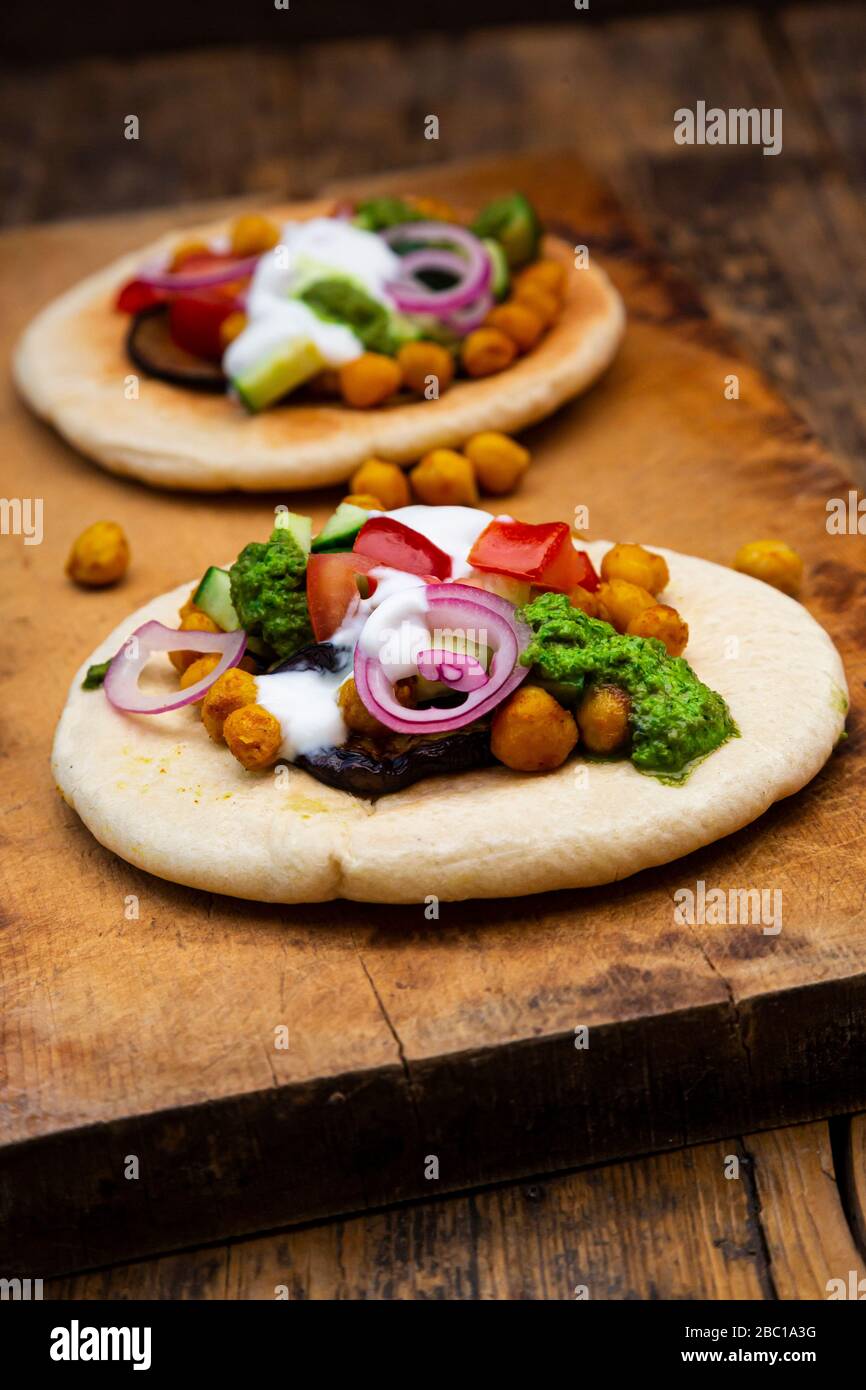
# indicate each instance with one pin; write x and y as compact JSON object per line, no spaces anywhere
{"x":99,"y":556}
{"x":197,"y":670}
{"x":532,"y":732}
{"x":252,"y":233}
{"x":193,"y":622}
{"x":499,"y":461}
{"x":254,"y":736}
{"x":369,"y":380}
{"x":422,"y":360}
{"x":234,"y":689}
{"x":355,"y":713}
{"x":518,"y":322}
{"x":380,"y":479}
{"x":487,"y":350}
{"x":663,"y":622}
{"x":583,"y":599}
{"x":445,"y":478}
{"x":192,"y":246}
{"x":602,"y":718}
{"x":772,"y":561}
{"x":546,"y":275}
{"x":366,"y":500}
{"x":232,"y":327}
{"x":636,"y":565}
{"x":542,"y":303}
{"x":619,"y":602}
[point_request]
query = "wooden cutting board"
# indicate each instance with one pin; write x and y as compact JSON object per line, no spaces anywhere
{"x":154,"y":1037}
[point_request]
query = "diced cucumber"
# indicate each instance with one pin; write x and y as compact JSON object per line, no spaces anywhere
{"x":501,"y":277}
{"x":214,"y":597}
{"x":300,"y":527}
{"x":340,"y":530}
{"x":279,"y":374}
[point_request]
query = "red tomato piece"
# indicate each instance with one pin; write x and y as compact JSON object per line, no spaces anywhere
{"x":390,"y":543}
{"x":195,"y":319}
{"x":135,"y":297}
{"x":542,"y":554}
{"x":332,"y":589}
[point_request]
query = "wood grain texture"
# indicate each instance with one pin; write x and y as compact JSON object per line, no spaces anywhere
{"x":155,"y":1036}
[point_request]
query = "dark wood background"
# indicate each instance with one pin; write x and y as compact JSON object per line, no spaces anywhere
{"x":777,"y":248}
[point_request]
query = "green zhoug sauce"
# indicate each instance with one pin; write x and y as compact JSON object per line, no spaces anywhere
{"x":675,"y":719}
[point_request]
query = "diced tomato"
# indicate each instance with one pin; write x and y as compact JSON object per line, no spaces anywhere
{"x":195,"y":319}
{"x":542,"y":554}
{"x":390,"y":543}
{"x":136,"y":296}
{"x":332,"y":589}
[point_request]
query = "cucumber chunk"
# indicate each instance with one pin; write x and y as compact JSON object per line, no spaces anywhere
{"x":213,"y":596}
{"x":501,"y":276}
{"x":300,"y":527}
{"x":279,"y":374}
{"x":340,"y":530}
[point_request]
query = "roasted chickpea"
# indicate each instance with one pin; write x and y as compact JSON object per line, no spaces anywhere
{"x":602,"y":718}
{"x":583,"y":599}
{"x":518,"y":322}
{"x":231,"y":327}
{"x":366,"y":500}
{"x":192,"y":246}
{"x":379,"y":479}
{"x":252,"y":233}
{"x":772,"y":561}
{"x":99,"y":556}
{"x":254,"y":736}
{"x":435,"y":209}
{"x":531,"y":732}
{"x":234,"y":689}
{"x":542,"y":303}
{"x":193,"y":622}
{"x":197,"y":670}
{"x":421,"y":361}
{"x":619,"y":602}
{"x":499,"y":461}
{"x":369,"y":380}
{"x":355,"y":713}
{"x":445,"y":478}
{"x":546,"y":275}
{"x":663,"y":622}
{"x":487,"y":350}
{"x":637,"y":565}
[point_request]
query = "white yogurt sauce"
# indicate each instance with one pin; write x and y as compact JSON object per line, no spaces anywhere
{"x":309,"y":251}
{"x":389,"y":624}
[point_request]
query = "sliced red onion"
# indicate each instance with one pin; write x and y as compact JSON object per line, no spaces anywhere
{"x":458,"y":670}
{"x":464,"y":320}
{"x":473,"y":266}
{"x":161,"y":279}
{"x":121,"y":680}
{"x":467,"y":609}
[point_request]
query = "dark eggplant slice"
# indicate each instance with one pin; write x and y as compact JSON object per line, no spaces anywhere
{"x":369,"y":768}
{"x":316,"y":656}
{"x":152,"y":348}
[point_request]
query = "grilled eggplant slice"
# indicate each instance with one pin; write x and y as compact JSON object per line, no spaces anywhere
{"x":153,"y":350}
{"x":370,"y":768}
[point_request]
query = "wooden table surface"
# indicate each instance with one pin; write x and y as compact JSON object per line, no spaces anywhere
{"x":776,"y":246}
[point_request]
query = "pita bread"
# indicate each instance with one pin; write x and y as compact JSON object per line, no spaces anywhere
{"x":71,"y":366}
{"x":158,"y":792}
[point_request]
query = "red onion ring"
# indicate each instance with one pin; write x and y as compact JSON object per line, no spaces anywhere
{"x":472,"y":316}
{"x":448,"y":602}
{"x":121,"y":679}
{"x":476,"y":267}
{"x":161,"y":279}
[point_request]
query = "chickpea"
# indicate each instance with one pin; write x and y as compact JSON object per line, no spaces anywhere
{"x":638,"y":566}
{"x":380,"y":479}
{"x":518,"y":322}
{"x":620,"y":601}
{"x":583,"y":599}
{"x":193,"y":622}
{"x":435,"y":209}
{"x":197,"y":670}
{"x":542,"y":303}
{"x":252,"y":234}
{"x":366,"y":500}
{"x":355,"y":713}
{"x":487,"y":350}
{"x":422,"y":360}
{"x":532,"y":732}
{"x":772,"y":561}
{"x":665,"y":623}
{"x":234,"y":689}
{"x":192,"y":246}
{"x":499,"y":461}
{"x":232,"y":327}
{"x":369,"y":380}
{"x":602,"y":718}
{"x":444,"y":478}
{"x":546,"y":275}
{"x":99,"y":556}
{"x":254,"y":736}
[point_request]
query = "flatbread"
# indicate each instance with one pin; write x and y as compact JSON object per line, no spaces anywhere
{"x":72,"y":367}
{"x":158,"y":792}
